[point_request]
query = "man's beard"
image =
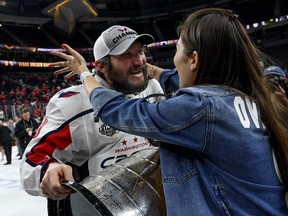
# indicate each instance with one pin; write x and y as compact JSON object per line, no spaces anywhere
{"x":121,"y":83}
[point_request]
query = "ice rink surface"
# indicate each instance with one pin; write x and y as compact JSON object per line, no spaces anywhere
{"x":14,"y":201}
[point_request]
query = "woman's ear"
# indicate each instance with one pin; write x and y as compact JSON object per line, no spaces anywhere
{"x":194,"y":61}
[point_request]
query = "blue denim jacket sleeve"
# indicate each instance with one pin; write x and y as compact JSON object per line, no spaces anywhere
{"x":165,"y":121}
{"x":169,"y":80}
{"x":98,"y":104}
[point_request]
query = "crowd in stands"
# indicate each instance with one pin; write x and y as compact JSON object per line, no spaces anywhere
{"x":33,"y":90}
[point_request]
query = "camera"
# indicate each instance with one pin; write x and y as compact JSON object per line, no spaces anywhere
{"x":277,"y":82}
{"x":276,"y":76}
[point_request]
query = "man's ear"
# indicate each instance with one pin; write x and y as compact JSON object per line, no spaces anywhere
{"x":100,"y":67}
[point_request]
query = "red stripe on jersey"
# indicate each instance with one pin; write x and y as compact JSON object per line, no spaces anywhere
{"x":43,"y":151}
{"x":44,"y":122}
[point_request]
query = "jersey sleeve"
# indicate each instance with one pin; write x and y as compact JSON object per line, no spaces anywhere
{"x":52,"y":134}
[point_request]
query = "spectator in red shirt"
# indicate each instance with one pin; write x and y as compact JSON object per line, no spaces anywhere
{"x":44,"y":87}
{"x":3,"y":97}
{"x":35,"y":92}
{"x":23,"y":91}
{"x":12,"y":93}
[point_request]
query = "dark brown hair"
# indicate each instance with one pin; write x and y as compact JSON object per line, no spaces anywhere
{"x":25,"y":110}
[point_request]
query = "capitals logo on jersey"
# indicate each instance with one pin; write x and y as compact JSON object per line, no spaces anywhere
{"x":67,"y":94}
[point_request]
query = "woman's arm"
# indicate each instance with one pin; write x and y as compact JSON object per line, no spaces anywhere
{"x":154,"y":71}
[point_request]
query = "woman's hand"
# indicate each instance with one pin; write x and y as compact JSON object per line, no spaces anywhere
{"x":75,"y":64}
{"x":154,"y":71}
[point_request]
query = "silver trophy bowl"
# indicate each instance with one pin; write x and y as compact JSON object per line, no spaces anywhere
{"x":130,"y":187}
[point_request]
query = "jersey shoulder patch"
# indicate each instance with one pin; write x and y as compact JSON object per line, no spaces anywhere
{"x":67,"y":94}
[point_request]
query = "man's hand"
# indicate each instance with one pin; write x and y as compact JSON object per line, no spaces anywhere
{"x":29,"y":131}
{"x":280,"y":94}
{"x":51,"y":183}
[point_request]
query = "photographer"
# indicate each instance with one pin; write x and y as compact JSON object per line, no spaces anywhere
{"x":279,"y":83}
{"x":25,"y":129}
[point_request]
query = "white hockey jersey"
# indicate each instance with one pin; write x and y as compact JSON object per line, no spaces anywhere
{"x":69,"y":134}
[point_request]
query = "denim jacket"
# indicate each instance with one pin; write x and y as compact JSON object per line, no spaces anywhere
{"x":216,"y":158}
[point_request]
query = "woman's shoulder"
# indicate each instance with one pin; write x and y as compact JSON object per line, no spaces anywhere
{"x":210,"y":90}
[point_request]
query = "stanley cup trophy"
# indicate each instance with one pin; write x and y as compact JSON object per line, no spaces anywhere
{"x":130,"y":187}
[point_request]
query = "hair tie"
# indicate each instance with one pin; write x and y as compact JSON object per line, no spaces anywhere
{"x":231,"y":15}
